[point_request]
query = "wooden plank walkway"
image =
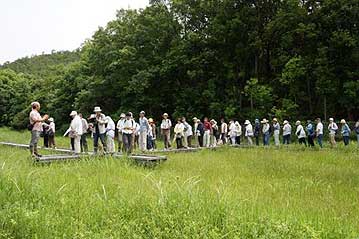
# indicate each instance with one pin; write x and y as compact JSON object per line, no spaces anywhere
{"x":183,"y":150}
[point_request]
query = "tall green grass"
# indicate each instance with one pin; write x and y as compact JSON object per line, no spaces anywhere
{"x":225,"y":193}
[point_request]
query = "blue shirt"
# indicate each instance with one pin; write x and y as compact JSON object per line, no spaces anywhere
{"x":144,"y":127}
{"x":345,"y":130}
{"x":310,"y":129}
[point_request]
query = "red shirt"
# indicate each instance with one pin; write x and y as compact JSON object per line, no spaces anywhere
{"x":207,"y":126}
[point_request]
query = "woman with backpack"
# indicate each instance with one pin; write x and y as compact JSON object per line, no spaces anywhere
{"x":345,"y":132}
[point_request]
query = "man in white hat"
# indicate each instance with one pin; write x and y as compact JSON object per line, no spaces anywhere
{"x":187,"y":137}
{"x":249,"y":132}
{"x":300,"y":132}
{"x":266,"y":132}
{"x":319,"y":132}
{"x":276,"y":131}
{"x":119,"y":127}
{"x":287,"y":131}
{"x":128,"y":129}
{"x":76,"y":130}
{"x":333,"y":128}
{"x":144,"y":127}
{"x":166,"y":125}
{"x":99,"y":129}
{"x":51,"y":133}
{"x":36,"y":127}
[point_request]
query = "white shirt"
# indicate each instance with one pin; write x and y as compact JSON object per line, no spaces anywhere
{"x":52,"y":126}
{"x":265,"y":128}
{"x":287,"y":129}
{"x":188,"y":131}
{"x":232,"y":130}
{"x":120,"y":125}
{"x":110,"y":128}
{"x":179,"y":129}
{"x":300,"y":132}
{"x":128,"y":126}
{"x":224,"y":128}
{"x":76,"y":125}
{"x":249,"y":130}
{"x":332,"y":127}
{"x":238,"y":128}
{"x":166,"y":124}
{"x":319,"y":129}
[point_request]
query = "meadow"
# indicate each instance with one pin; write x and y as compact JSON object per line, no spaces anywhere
{"x":290,"y":192}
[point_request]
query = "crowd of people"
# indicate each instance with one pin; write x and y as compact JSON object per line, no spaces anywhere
{"x":202,"y":133}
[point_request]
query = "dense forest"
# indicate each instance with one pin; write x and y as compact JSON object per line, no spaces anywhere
{"x":233,"y":58}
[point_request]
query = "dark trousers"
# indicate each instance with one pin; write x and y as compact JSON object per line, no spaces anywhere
{"x":320,"y":140}
{"x":200,"y":140}
{"x":223,"y":138}
{"x":52,"y":141}
{"x":311,"y":140}
{"x":302,"y":141}
{"x":95,"y":141}
{"x":189,"y":141}
{"x":266,"y":138}
{"x":179,"y":142}
{"x":257,"y":140}
{"x":286,"y":139}
{"x":346,"y":140}
{"x":127,"y":142}
{"x":238,"y":140}
{"x":150,"y":142}
{"x":83,"y":142}
{"x":72,"y":141}
{"x":46,"y":140}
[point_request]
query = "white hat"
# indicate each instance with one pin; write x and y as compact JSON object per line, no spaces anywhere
{"x":142,"y":112}
{"x":331,"y":119}
{"x":275,"y":119}
{"x":35,"y":103}
{"x":297,"y":123}
{"x":165,"y":114}
{"x":73,"y":113}
{"x":51,"y":119}
{"x":247,"y":122}
{"x":195,"y":119}
{"x":97,"y":109}
{"x":122,"y":115}
{"x":343,"y":121}
{"x":150,"y":120}
{"x":285,"y":122}
{"x":264,"y":121}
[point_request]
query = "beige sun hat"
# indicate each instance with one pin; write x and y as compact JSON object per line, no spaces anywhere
{"x":285,"y":122}
{"x":343,"y":121}
{"x":247,"y":122}
{"x":264,"y":121}
{"x":165,"y":114}
{"x":331,"y":119}
{"x":122,"y":115}
{"x":150,"y":120}
{"x":73,"y":113}
{"x":298,"y":122}
{"x":275,"y":119}
{"x":97,"y":109}
{"x":195,"y":119}
{"x":35,"y":103}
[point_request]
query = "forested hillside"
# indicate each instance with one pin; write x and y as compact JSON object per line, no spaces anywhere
{"x":242,"y":59}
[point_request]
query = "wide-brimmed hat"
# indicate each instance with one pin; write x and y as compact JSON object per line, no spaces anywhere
{"x":122,"y":115}
{"x":165,"y":114}
{"x":195,"y":119}
{"x":35,"y":103}
{"x":331,"y":119}
{"x":275,"y":119}
{"x":142,"y":112}
{"x":343,"y":121}
{"x":97,"y":109}
{"x":285,"y":122}
{"x":297,"y":123}
{"x":150,"y":120}
{"x":73,"y":113}
{"x":246,"y":122}
{"x":264,"y":121}
{"x":51,"y":119}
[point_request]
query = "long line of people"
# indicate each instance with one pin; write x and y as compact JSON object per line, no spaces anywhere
{"x":206,"y":133}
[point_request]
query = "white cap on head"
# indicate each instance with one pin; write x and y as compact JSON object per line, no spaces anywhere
{"x":73,"y":113}
{"x":285,"y":122}
{"x":343,"y":121}
{"x":297,"y":123}
{"x":51,"y":119}
{"x":97,"y":109}
{"x":165,"y":114}
{"x":142,"y":112}
{"x":331,"y":119}
{"x":247,"y":122}
{"x":122,"y":115}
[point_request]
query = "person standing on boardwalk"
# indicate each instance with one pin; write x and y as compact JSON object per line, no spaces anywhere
{"x":287,"y":131}
{"x":239,"y":132}
{"x":276,"y":131}
{"x":207,"y":133}
{"x":119,"y":127}
{"x":151,"y":135}
{"x":51,"y":133}
{"x":319,"y":132}
{"x":187,"y":133}
{"x":300,"y":132}
{"x":179,"y":133}
{"x":311,"y":133}
{"x":110,"y":135}
{"x":200,"y":133}
{"x":85,"y":128}
{"x":249,"y":132}
{"x":345,"y":132}
{"x":333,"y":128}
{"x":166,"y":130}
{"x":76,"y":131}
{"x":144,"y":127}
{"x":128,"y":129}
{"x":265,"y":132}
{"x":99,"y":129}
{"x":214,"y":133}
{"x":356,"y":128}
{"x":36,"y":127}
{"x":224,"y":131}
{"x":257,"y":130}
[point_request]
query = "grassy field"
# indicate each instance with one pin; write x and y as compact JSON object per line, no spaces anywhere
{"x":289,"y":192}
